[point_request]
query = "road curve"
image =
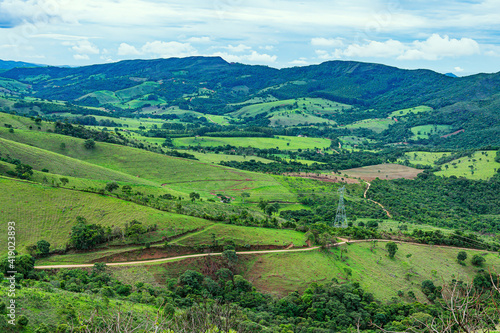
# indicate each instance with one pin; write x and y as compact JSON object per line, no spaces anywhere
{"x":142,"y":262}
{"x":345,"y":241}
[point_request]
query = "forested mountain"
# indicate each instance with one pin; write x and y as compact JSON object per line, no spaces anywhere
{"x":210,"y":85}
{"x":14,"y":64}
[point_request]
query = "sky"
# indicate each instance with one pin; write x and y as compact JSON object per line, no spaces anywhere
{"x":460,"y":37}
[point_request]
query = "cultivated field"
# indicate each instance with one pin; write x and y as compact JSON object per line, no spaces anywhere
{"x":415,"y":110}
{"x":383,"y":171}
{"x":281,"y":142}
{"x":481,"y":165}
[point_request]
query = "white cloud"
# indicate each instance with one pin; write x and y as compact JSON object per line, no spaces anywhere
{"x":433,"y":48}
{"x":267,"y":47}
{"x":61,"y":37}
{"x":169,"y":49}
{"x":258,"y":57}
{"x":199,"y":40}
{"x":330,"y":42}
{"x":81,"y":57}
{"x":85,"y":47}
{"x":299,"y":62}
{"x":126,"y":49}
{"x":458,"y":69}
{"x":238,"y":48}
{"x":437,"y":47}
{"x":252,"y":57}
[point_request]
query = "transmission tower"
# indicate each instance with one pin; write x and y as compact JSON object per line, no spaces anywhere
{"x":341,"y":218}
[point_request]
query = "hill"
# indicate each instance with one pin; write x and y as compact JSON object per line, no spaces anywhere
{"x":6,"y":64}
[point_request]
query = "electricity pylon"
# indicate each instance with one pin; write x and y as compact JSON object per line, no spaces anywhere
{"x":341,"y":218}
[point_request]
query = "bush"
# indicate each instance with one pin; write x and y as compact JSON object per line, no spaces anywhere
{"x":477,"y":260}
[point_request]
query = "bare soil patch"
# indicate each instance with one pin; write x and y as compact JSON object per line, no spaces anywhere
{"x":383,"y":171}
{"x":329,"y":178}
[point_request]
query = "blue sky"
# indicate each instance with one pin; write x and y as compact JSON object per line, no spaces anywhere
{"x":446,"y":36}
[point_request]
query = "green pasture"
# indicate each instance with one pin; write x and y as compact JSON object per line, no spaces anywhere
{"x":481,"y":165}
{"x":375,"y":271}
{"x":309,"y":105}
{"x":43,"y":212}
{"x":415,"y":110}
{"x":423,"y":157}
{"x":282,"y":142}
{"x":424,"y":131}
{"x":224,"y":233}
{"x":298,"y":118}
{"x":175,"y":173}
{"x":376,"y":125}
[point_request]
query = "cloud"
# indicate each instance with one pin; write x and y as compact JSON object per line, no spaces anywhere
{"x":299,"y":62}
{"x":252,"y":57}
{"x":81,"y":57}
{"x":435,"y":47}
{"x":458,"y":69}
{"x":331,"y":42}
{"x":85,"y":47}
{"x":238,"y":48}
{"x":61,"y":37}
{"x":258,"y":57}
{"x":126,"y":49}
{"x":169,"y":49}
{"x":199,"y":40}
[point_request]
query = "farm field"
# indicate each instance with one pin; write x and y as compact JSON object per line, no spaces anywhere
{"x":415,"y":110}
{"x":43,"y":212}
{"x":174,"y":173}
{"x":298,"y":119}
{"x":282,"y":142}
{"x":217,"y":158}
{"x":376,"y":125}
{"x":423,"y":157}
{"x":273,"y":273}
{"x":481,"y":165}
{"x":311,"y":105}
{"x":224,"y":233}
{"x":425,"y":131}
{"x":382,"y":171}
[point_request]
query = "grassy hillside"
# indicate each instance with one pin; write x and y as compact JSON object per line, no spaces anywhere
{"x":43,"y":212}
{"x":373,"y":270}
{"x":223,"y":233}
{"x":282,"y":142}
{"x":481,"y":165}
{"x":174,"y":173}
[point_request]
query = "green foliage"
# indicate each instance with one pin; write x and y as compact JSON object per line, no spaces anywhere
{"x":89,"y":144}
{"x":86,"y":236}
{"x":392,"y":248}
{"x":110,"y":187}
{"x":461,"y":256}
{"x":43,"y":247}
{"x":477,"y":260}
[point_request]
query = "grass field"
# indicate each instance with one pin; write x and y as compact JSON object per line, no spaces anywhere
{"x":481,"y":165}
{"x":242,"y":236}
{"x":423,"y":157}
{"x":282,"y":142}
{"x":174,"y":173}
{"x":294,"y":119}
{"x":424,"y":131}
{"x":383,"y":171}
{"x":376,"y":273}
{"x":309,"y":105}
{"x":43,"y":212}
{"x":103,"y":96}
{"x":217,"y":158}
{"x":415,"y":110}
{"x":376,"y":125}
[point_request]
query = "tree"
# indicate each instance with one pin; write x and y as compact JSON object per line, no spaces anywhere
{"x":477,"y":260}
{"x":110,"y":187}
{"x":89,"y":144}
{"x":461,"y":256}
{"x":245,"y":195}
{"x":64,"y":181}
{"x":391,"y":247}
{"x":127,"y":189}
{"x":86,"y":236}
{"x":43,"y":247}
{"x":194,"y":196}
{"x":24,"y":171}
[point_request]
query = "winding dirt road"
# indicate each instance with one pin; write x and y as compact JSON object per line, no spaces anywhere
{"x":378,"y":203}
{"x":344,"y":241}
